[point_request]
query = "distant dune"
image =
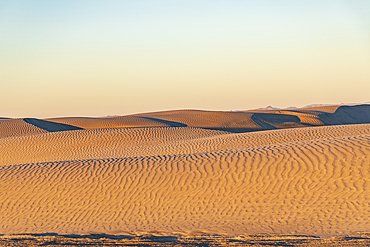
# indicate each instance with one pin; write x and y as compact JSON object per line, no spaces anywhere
{"x":297,"y":171}
{"x":245,"y":121}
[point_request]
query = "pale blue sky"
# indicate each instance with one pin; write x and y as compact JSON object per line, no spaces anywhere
{"x":96,"y":58}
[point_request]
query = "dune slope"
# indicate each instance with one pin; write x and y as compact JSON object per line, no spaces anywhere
{"x":137,"y":142}
{"x":315,"y":187}
{"x":241,"y":121}
{"x":17,"y":127}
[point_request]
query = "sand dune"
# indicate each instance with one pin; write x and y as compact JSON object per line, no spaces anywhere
{"x":245,"y":121}
{"x":348,"y":115}
{"x":17,"y":127}
{"x":137,"y":142}
{"x":231,"y":121}
{"x":188,"y":171}
{"x":316,"y":187}
{"x":102,"y":143}
{"x":112,"y":122}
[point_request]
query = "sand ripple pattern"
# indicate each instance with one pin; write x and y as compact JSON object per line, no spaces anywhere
{"x":312,"y":187}
{"x":17,"y":127}
{"x":111,"y":122}
{"x":101,"y":143}
{"x":138,"y":142}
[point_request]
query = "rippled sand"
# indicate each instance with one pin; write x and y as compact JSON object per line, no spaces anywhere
{"x":304,"y":172}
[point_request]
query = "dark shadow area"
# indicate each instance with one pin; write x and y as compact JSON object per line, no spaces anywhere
{"x":276,"y":118}
{"x":358,"y":114}
{"x":89,"y":236}
{"x":234,"y":130}
{"x":102,"y":235}
{"x":170,"y":123}
{"x":101,"y":239}
{"x":50,"y":126}
{"x":261,"y":122}
{"x":161,"y":239}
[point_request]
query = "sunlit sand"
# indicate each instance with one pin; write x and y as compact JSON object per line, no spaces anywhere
{"x":294,"y":172}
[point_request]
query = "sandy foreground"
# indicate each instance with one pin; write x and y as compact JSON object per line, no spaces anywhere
{"x":301,"y":172}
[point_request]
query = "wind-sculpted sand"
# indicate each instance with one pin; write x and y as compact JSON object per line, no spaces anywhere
{"x":239,"y":121}
{"x":180,"y":179}
{"x":137,"y":142}
{"x":312,"y":187}
{"x":17,"y":127}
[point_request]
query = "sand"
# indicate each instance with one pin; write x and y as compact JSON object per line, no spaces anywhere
{"x":305,"y":171}
{"x":17,"y":127}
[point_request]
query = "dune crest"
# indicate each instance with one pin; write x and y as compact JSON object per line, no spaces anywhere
{"x":241,"y":121}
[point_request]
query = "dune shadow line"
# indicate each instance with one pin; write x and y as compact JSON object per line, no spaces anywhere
{"x":50,"y":126}
{"x":171,"y":123}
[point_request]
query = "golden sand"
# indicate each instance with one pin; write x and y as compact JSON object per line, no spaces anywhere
{"x":185,"y":171}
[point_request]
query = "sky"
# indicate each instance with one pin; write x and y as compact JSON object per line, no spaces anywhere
{"x":99,"y":58}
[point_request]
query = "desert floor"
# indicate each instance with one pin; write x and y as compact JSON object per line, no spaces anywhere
{"x":188,"y":177}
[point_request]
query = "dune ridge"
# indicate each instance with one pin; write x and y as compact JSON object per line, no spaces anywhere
{"x":240,"y":121}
